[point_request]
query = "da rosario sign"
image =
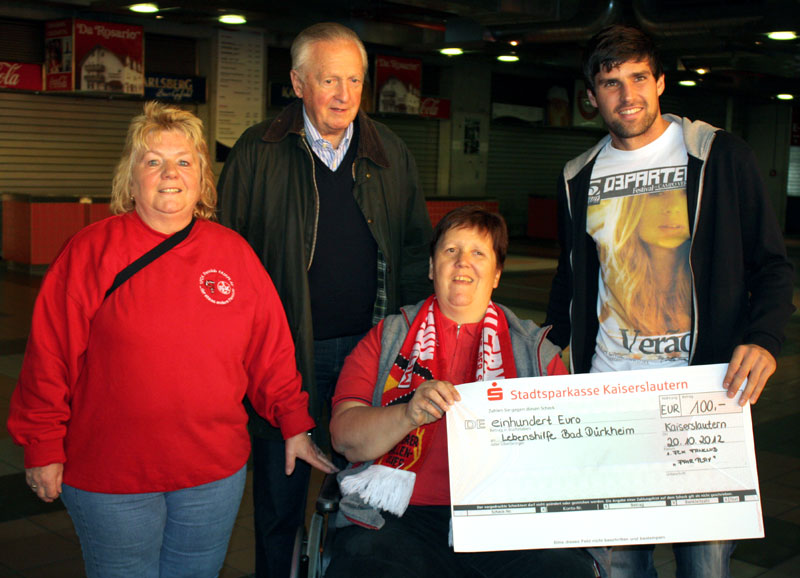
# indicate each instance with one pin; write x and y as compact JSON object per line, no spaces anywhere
{"x":88,"y":56}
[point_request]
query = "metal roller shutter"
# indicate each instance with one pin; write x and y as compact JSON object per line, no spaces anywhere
{"x":21,"y":40}
{"x":61,"y":144}
{"x":793,"y":184}
{"x":525,"y":160}
{"x":422,"y":139}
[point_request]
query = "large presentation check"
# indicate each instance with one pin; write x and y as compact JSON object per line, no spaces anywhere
{"x":601,"y":459}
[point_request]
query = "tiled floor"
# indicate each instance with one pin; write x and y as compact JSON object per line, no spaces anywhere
{"x":37,"y":540}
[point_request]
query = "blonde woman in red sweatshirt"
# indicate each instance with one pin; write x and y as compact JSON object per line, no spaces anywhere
{"x":129,"y":403}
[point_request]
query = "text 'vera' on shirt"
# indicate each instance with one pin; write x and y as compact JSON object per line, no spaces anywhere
{"x":638,"y":217}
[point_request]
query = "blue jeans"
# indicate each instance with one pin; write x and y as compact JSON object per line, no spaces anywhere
{"x":329,"y":356}
{"x":159,"y":534}
{"x":693,"y":560}
{"x":279,"y":501}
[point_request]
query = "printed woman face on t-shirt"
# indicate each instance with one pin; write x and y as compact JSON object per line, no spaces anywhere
{"x":665,"y":220}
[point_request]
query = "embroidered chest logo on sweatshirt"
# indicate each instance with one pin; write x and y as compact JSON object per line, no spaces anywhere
{"x":217,"y":286}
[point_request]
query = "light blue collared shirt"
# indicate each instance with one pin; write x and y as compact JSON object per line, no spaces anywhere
{"x":323,"y":148}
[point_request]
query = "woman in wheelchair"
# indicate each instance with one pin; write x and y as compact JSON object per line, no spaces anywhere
{"x":392,"y":393}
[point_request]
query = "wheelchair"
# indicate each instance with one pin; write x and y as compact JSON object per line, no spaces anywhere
{"x":312,"y":548}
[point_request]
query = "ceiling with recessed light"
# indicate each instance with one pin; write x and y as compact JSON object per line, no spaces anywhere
{"x":726,"y":37}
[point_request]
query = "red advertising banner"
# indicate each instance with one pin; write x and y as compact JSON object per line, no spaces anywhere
{"x":20,"y":76}
{"x":435,"y":107}
{"x":398,"y":83}
{"x":94,"y":56}
{"x":58,"y":63}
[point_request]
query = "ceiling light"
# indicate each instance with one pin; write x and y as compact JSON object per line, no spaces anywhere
{"x":451,"y":51}
{"x":782,"y":35}
{"x":701,"y":71}
{"x":232,"y":19}
{"x":784,"y":96}
{"x":508,"y":58}
{"x":514,"y":43}
{"x":148,"y":8}
{"x":688,"y":83}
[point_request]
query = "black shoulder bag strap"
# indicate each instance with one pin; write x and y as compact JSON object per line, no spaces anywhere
{"x":149,"y":257}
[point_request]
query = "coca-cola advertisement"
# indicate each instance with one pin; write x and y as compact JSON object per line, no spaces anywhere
{"x":58,"y":42}
{"x":397,"y":84}
{"x":434,"y":107}
{"x":20,"y":76}
{"x":91,"y":56}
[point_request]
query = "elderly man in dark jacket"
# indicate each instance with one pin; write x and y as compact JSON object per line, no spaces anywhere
{"x":331,"y":203}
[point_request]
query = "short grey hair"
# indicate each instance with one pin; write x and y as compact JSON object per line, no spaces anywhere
{"x":322,"y":32}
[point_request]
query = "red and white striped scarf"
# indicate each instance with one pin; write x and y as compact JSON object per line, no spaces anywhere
{"x":389,"y":482}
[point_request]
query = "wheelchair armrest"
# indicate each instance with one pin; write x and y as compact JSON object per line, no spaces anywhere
{"x":329,"y":495}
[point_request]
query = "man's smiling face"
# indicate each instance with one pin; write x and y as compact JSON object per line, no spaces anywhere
{"x":627,"y":98}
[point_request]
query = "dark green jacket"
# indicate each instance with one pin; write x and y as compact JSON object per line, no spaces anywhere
{"x":268,"y":194}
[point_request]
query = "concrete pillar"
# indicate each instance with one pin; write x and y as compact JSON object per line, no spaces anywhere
{"x":470,"y":82}
{"x":768,"y":131}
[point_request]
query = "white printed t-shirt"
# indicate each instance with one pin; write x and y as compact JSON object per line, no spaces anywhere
{"x":638,"y":218}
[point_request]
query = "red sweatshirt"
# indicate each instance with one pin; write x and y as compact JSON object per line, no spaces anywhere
{"x":143,"y":392}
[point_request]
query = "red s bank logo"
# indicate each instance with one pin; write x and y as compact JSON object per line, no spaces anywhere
{"x":494,"y":393}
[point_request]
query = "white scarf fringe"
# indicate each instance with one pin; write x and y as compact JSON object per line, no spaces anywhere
{"x":382,"y":487}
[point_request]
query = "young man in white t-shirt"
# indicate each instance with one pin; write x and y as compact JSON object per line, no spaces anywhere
{"x":671,"y":253}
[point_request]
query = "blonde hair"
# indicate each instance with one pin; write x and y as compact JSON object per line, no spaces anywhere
{"x":156,"y":119}
{"x":631,"y":277}
{"x":322,"y":32}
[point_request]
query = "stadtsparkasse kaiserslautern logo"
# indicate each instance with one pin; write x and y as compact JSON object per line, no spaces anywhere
{"x":494,"y":393}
